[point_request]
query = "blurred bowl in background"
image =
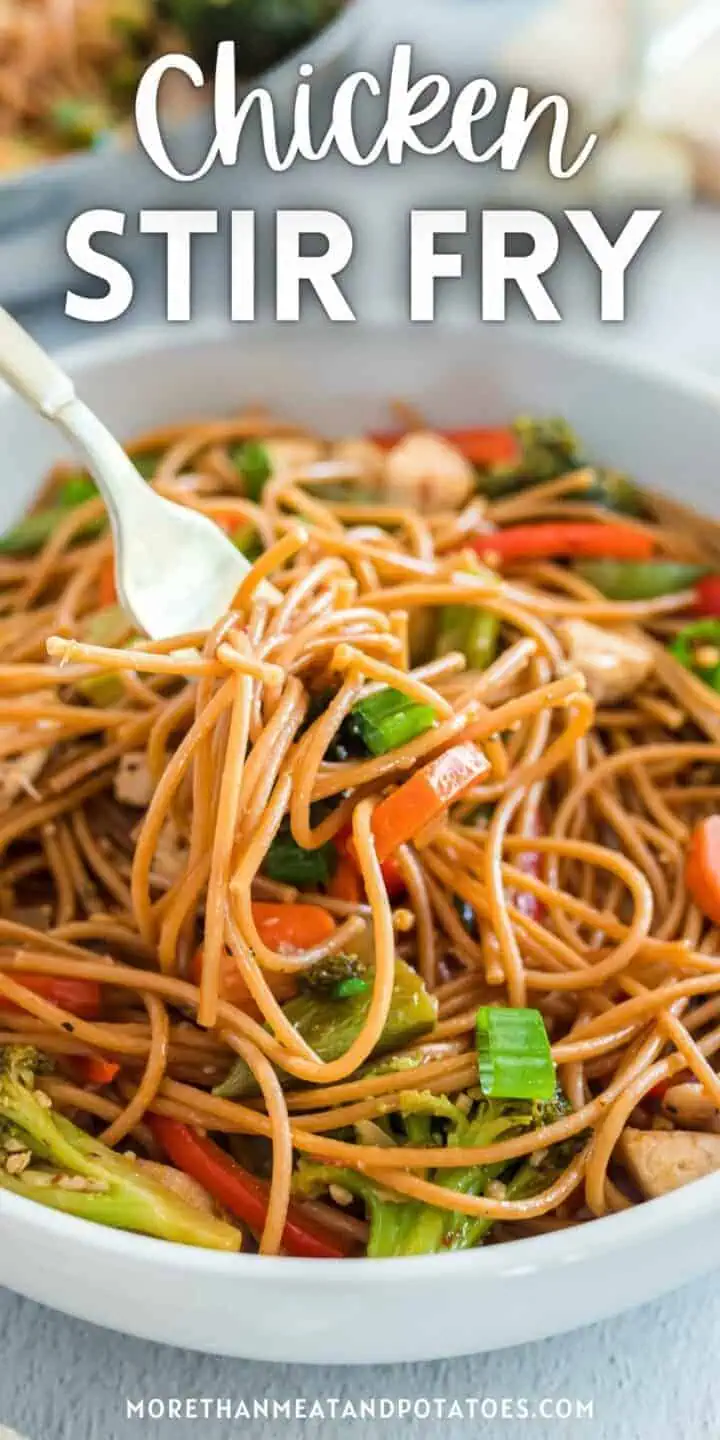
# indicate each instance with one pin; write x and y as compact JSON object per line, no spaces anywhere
{"x":38,"y":204}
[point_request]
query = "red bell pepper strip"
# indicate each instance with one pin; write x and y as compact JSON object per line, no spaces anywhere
{"x":95,"y":1069}
{"x":565,"y":539}
{"x":702,"y":867}
{"x":242,"y":1194}
{"x":346,"y":883}
{"x":707,"y":596}
{"x":483,"y":446}
{"x":79,"y":997}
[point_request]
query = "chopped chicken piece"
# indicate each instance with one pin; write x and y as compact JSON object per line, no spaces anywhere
{"x":363,"y":457}
{"x":181,"y":1185}
{"x":171,"y":854}
{"x":614,"y":662}
{"x":689,"y":1105}
{"x":426,"y":472}
{"x":663,"y":1160}
{"x":133,"y":784}
{"x":18,"y":773}
{"x":292,"y":454}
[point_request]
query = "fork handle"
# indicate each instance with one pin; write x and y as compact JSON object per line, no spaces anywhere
{"x":28,"y":369}
{"x":37,"y":377}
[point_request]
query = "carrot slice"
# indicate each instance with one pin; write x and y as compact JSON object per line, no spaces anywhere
{"x":292,"y":927}
{"x":107,"y":594}
{"x":346,"y":883}
{"x":422,"y":798}
{"x":702,"y":867}
{"x":281,"y":927}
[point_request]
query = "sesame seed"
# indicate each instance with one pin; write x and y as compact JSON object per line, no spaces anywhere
{"x":340,"y":1195}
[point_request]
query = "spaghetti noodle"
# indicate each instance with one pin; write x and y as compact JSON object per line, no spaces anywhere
{"x":258,"y":884}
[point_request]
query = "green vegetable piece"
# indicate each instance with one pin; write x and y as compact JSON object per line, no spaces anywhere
{"x":464,"y":1232}
{"x":697,"y":647}
{"x":616,"y":491}
{"x":265,"y":30}
{"x":76,"y":490}
{"x":640,"y":579}
{"x":72,"y":1172}
{"x":252,"y":463}
{"x":412,"y":1228}
{"x":472,"y":631}
{"x":548,"y":448}
{"x":324,"y":977}
{"x":354,"y":985}
{"x":289,"y":864}
{"x":109,"y":626}
{"x":248,"y":542}
{"x":330,"y":1025}
{"x":34,"y":531}
{"x":146,"y":462}
{"x":388,"y":719}
{"x":78,"y":123}
{"x":514,"y":1057}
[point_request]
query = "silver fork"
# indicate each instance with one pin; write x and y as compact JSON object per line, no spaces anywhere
{"x":176,"y":570}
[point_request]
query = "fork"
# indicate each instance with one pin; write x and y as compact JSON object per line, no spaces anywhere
{"x":176,"y":570}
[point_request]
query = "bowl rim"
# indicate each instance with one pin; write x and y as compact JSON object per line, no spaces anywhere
{"x":648,"y":1221}
{"x":320,"y":50}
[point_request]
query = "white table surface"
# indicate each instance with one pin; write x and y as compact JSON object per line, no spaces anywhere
{"x":649,"y":1374}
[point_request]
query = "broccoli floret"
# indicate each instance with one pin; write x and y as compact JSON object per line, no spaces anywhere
{"x":44,"y":1157}
{"x":265,"y":30}
{"x":330,"y":1021}
{"x":324,"y":977}
{"x":545,"y":448}
{"x":408,"y":1227}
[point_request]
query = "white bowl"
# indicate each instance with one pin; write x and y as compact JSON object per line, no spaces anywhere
{"x":667,"y":430}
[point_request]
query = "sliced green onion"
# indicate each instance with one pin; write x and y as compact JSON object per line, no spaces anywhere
{"x":697,"y":647}
{"x":76,"y":490}
{"x":513,"y":1054}
{"x":289,"y":864}
{"x":354,"y":985}
{"x":252,"y":463}
{"x":388,"y":719}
